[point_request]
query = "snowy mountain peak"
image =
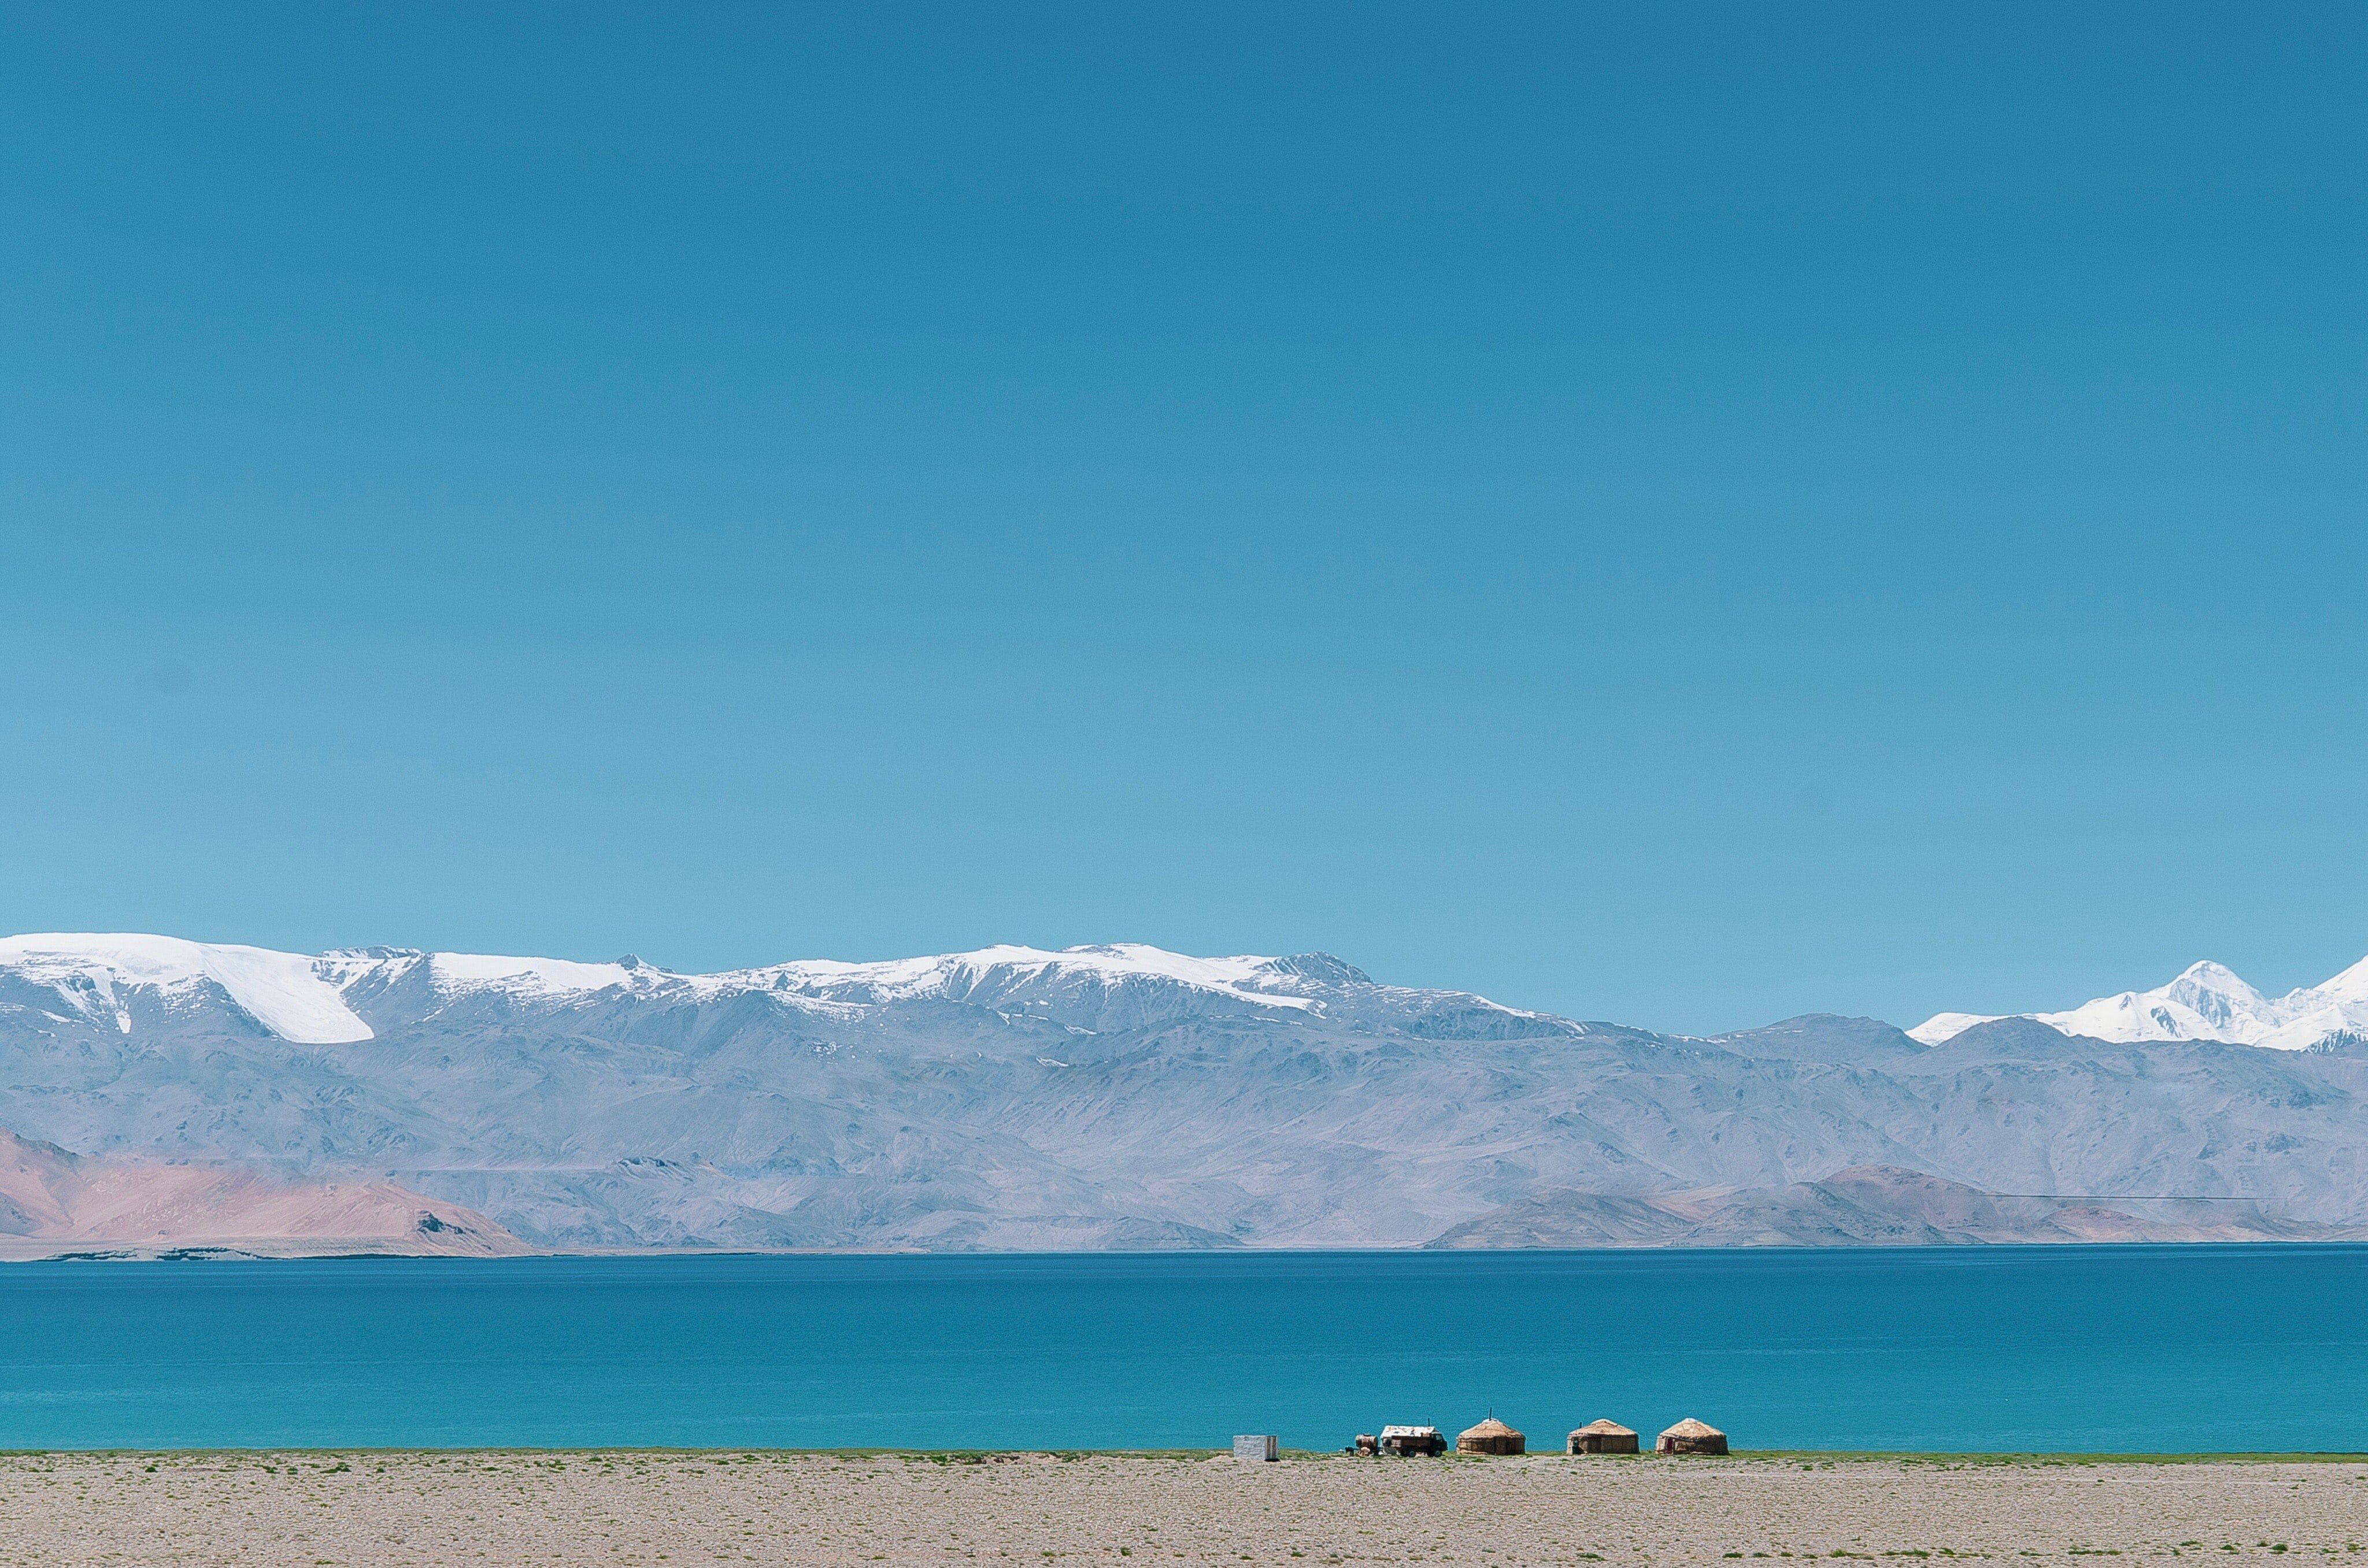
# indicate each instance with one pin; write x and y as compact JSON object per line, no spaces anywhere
{"x":2205,"y":975}
{"x":2207,"y":1002}
{"x":2352,"y":985}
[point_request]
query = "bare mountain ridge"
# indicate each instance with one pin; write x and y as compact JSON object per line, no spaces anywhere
{"x":1114,"y":1096}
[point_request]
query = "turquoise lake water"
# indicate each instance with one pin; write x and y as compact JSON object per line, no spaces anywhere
{"x":1976,"y":1348}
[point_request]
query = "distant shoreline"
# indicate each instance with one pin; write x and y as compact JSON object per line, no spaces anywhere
{"x":255,"y":1252}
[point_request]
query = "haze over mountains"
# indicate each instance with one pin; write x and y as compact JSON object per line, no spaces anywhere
{"x":1123,"y":1097}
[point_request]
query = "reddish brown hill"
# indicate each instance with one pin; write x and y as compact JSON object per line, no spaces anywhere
{"x":53,"y":1202}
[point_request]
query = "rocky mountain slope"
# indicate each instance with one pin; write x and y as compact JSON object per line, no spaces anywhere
{"x":1099,"y":1097}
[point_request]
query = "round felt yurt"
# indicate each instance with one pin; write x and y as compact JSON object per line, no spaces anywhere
{"x":1691,"y":1437}
{"x":1491,"y":1436}
{"x":1602,"y":1437}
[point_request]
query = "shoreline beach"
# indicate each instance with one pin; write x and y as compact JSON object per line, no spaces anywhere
{"x":364,"y":1508}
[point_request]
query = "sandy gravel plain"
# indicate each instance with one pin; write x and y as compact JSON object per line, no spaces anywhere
{"x":358,"y":1510}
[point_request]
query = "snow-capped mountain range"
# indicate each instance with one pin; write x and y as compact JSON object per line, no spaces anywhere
{"x":1125,"y":1096}
{"x":2207,"y":1002}
{"x":305,"y":1000}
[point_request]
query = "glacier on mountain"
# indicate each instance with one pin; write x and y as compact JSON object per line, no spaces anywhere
{"x":297,"y":998}
{"x":2208,"y":1001}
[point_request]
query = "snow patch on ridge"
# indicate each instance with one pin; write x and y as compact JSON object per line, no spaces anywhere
{"x":959,"y":976}
{"x":954,"y":976}
{"x":286,"y":992}
{"x":543,"y":977}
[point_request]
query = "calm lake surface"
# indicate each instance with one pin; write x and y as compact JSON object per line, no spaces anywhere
{"x":1974,"y":1348}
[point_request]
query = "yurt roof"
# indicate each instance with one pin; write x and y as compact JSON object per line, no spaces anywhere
{"x":1690,"y":1427}
{"x":1409,"y":1431}
{"x":1605,"y":1428}
{"x":1490,"y":1427}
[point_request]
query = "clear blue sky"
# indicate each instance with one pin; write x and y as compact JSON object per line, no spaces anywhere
{"x":1684,"y":515}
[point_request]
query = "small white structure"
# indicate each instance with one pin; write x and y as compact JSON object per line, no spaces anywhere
{"x":1256,"y":1447}
{"x":1405,"y":1442}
